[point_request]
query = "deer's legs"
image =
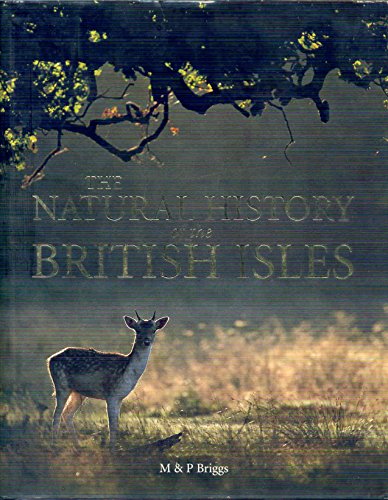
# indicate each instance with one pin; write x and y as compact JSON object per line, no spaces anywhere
{"x":61,"y":398}
{"x":113,"y":407}
{"x":72,"y":406}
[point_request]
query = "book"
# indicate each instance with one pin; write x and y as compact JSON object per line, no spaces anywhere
{"x":206,"y":179}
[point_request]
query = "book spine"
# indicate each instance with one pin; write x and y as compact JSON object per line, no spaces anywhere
{"x":17,"y":232}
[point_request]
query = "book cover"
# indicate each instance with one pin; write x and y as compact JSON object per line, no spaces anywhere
{"x":194,"y":269}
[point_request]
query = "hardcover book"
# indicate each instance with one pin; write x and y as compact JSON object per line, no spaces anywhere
{"x":194,"y":268}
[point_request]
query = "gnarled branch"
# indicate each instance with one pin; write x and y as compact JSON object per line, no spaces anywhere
{"x":37,"y":173}
{"x":124,"y":155}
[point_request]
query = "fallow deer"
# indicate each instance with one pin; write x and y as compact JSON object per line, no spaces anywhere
{"x":78,"y":373}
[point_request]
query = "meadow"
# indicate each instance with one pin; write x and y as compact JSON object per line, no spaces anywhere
{"x":290,"y":412}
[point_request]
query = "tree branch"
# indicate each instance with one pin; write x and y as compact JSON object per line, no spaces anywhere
{"x":194,"y":102}
{"x":103,"y":96}
{"x":37,"y":173}
{"x":90,"y":132}
{"x":124,"y":155}
{"x":142,"y":117}
{"x":292,"y":140}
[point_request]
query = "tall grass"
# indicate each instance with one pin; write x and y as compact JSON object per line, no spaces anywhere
{"x":209,"y":367}
{"x":297,"y":412}
{"x":267,"y":446}
{"x":216,"y":366}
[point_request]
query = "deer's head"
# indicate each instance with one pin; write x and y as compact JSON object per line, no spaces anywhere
{"x":145,"y":329}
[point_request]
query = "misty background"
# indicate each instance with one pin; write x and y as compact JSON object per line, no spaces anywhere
{"x":221,"y":153}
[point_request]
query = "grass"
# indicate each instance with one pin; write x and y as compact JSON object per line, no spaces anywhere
{"x":290,"y":413}
{"x":266,"y":445}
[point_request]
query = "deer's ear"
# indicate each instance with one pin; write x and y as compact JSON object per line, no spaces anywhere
{"x":130,"y":322}
{"x":161,"y":323}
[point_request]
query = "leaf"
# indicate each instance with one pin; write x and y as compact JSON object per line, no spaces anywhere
{"x":110,"y":112}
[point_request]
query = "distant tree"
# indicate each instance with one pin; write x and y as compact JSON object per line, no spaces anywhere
{"x":250,"y":56}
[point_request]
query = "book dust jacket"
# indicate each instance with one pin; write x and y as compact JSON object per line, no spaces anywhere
{"x":193,"y":256}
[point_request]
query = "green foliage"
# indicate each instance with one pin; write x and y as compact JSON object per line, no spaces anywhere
{"x":30,"y":27}
{"x":58,"y":10}
{"x":378,"y":26}
{"x":63,"y":88}
{"x":193,"y":78}
{"x":362,"y":68}
{"x":96,"y":37}
{"x":309,"y":41}
{"x":7,"y":88}
{"x":200,"y":53}
{"x":18,"y":142}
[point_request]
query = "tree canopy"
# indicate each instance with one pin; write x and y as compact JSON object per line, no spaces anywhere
{"x":247,"y":55}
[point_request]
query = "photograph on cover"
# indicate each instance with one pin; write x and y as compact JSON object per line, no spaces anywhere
{"x":193,"y":254}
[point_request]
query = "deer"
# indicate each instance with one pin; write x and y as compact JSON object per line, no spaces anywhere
{"x":78,"y":373}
